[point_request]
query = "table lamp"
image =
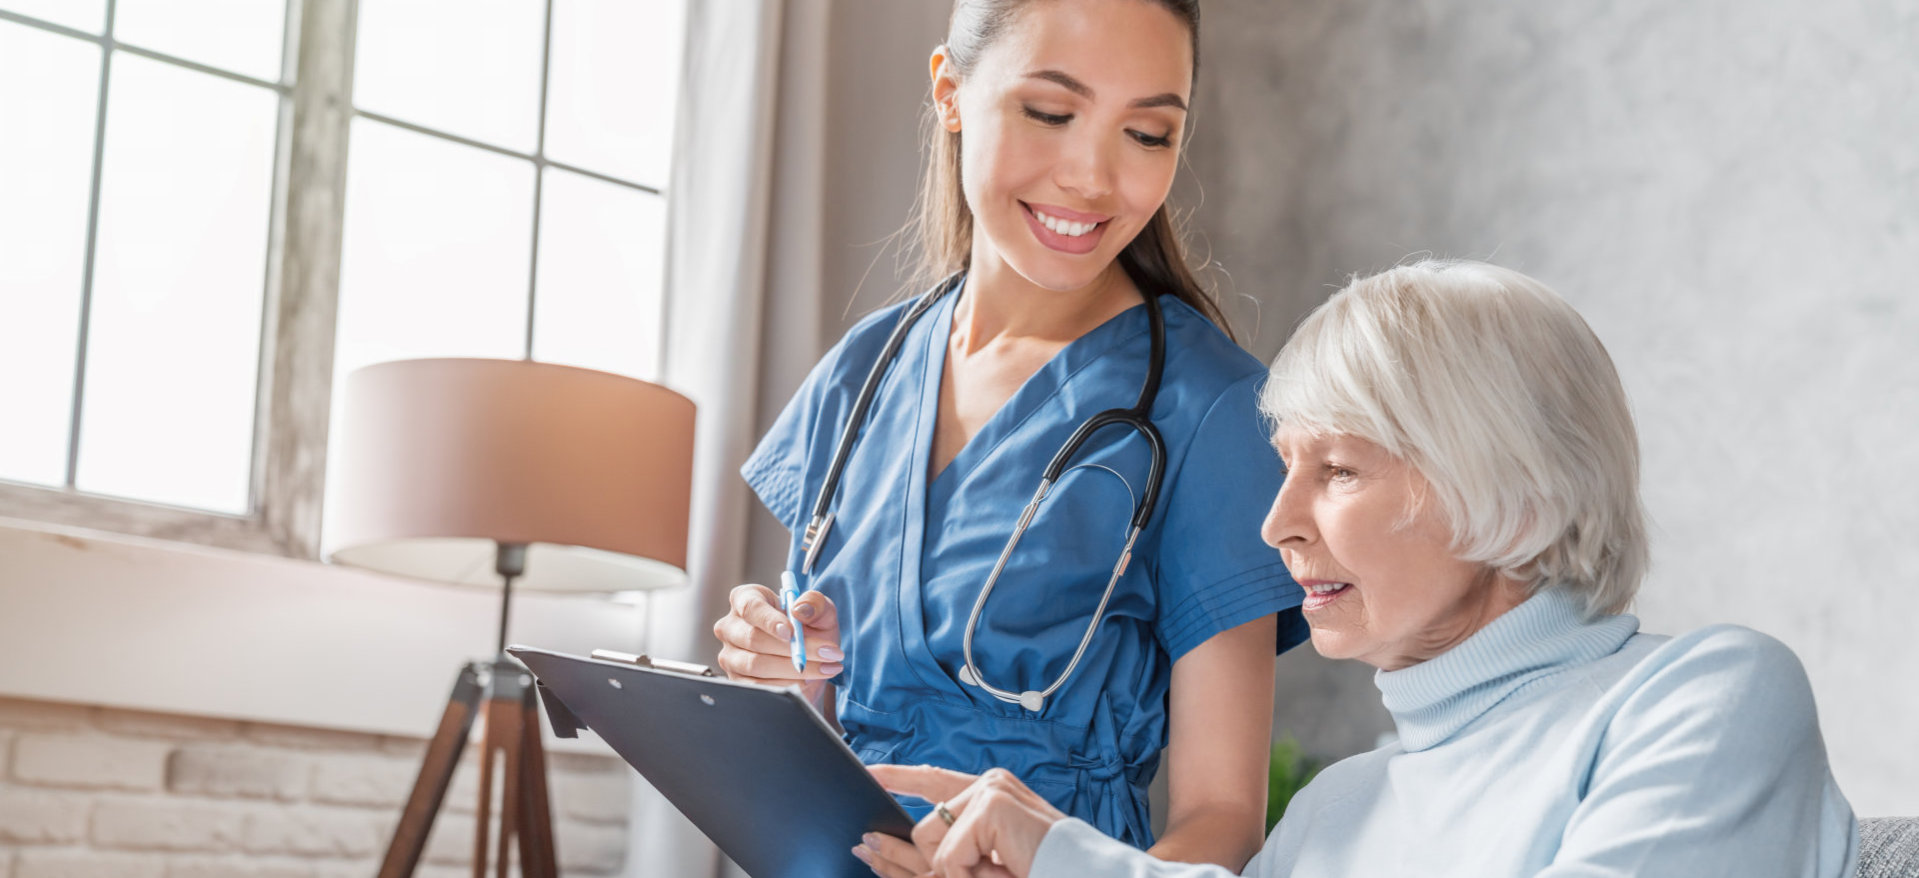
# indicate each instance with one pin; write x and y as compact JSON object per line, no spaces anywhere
{"x":505,"y":473}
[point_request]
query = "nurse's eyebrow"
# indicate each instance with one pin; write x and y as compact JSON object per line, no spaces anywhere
{"x":1067,"y":81}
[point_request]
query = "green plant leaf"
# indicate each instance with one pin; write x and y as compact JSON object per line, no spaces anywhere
{"x":1289,"y":772}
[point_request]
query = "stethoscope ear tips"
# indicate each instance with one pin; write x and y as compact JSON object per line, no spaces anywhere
{"x":966,"y":676}
{"x":1032,"y":701}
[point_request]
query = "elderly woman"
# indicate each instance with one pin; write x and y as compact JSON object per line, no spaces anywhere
{"x":1462,"y":506}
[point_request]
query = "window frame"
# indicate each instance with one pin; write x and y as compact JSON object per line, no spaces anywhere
{"x":301,"y":293}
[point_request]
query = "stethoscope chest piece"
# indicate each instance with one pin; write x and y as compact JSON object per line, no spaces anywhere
{"x":1030,"y":699}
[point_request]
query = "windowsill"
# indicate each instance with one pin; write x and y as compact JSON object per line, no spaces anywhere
{"x":95,"y":618}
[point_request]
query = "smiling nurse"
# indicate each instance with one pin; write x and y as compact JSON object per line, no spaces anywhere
{"x":1123,"y":621}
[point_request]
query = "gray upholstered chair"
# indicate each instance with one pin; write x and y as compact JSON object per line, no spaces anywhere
{"x":1889,"y":847}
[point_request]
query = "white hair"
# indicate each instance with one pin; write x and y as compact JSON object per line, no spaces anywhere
{"x":1496,"y":390}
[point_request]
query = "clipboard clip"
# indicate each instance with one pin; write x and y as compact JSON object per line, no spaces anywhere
{"x":566,"y":725}
{"x":650,"y":663}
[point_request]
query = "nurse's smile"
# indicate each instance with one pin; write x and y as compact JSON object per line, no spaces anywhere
{"x":1068,"y":231}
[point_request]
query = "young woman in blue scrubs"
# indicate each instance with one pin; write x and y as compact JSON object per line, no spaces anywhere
{"x":1057,"y":132}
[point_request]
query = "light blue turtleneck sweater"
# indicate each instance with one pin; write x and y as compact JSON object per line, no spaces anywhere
{"x":1546,"y":745}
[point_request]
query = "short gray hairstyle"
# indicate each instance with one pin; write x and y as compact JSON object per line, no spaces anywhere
{"x":1497,"y":391}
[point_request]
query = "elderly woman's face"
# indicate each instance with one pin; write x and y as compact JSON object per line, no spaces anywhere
{"x":1382,"y":583}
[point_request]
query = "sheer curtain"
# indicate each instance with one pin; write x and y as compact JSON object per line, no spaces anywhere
{"x":734,"y":169}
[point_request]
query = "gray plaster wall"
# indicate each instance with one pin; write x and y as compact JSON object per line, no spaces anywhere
{"x":1727,"y":189}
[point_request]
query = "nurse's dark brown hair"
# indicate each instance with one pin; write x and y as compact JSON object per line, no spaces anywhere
{"x":942,"y":226}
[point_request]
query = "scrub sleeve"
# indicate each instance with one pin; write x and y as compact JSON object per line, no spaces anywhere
{"x":1212,"y":570}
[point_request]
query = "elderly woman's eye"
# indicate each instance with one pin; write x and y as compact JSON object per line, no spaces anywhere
{"x":1339,"y":473}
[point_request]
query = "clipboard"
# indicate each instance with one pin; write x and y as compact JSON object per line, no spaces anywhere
{"x":756,"y":768}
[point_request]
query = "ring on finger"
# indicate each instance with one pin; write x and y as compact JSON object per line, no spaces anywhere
{"x":944,"y":813}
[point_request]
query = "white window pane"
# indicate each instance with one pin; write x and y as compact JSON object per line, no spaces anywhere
{"x":601,"y":265}
{"x":467,"y":67}
{"x":86,"y":15}
{"x":49,"y":85}
{"x":173,"y":346}
{"x":243,"y":36}
{"x":436,"y":251}
{"x":435,"y":258}
{"x":614,"y":86}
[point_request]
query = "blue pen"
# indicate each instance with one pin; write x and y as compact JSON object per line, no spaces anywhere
{"x":789,"y":598}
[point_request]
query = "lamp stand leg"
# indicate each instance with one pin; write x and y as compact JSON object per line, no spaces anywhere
{"x":513,"y":736}
{"x":436,"y":774}
{"x":537,"y":856}
{"x":513,"y":739}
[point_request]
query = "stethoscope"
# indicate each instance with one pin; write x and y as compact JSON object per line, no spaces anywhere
{"x":1138,"y":418}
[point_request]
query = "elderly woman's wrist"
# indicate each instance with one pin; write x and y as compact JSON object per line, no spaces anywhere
{"x":1063,"y":849}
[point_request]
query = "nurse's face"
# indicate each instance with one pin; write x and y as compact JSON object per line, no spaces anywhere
{"x":1382,"y":582}
{"x":1070,"y":127}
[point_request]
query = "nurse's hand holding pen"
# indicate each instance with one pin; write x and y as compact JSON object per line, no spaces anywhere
{"x":988,"y":826}
{"x":756,"y":639}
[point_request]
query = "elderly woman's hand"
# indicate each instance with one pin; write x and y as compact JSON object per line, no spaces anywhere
{"x":996,"y":829}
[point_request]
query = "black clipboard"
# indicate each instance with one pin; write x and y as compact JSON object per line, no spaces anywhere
{"x":756,"y":768}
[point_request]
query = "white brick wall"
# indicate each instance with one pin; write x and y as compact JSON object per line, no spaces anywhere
{"x":88,"y":761}
{"x":141,"y":724}
{"x":82,"y":863}
{"x":373,"y":780}
{"x":166,"y":824}
{"x":238,"y":867}
{"x":314,"y":832}
{"x":90,"y":792}
{"x":230,"y":771}
{"x":37,"y":817}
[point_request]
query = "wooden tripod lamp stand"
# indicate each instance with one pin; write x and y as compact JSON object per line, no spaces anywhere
{"x":499,"y":473}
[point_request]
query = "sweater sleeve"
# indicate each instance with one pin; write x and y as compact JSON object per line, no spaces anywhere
{"x":1712,"y":765}
{"x":1074,"y":849}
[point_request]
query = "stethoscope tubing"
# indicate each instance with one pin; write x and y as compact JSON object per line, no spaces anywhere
{"x":1138,"y":418}
{"x":821,"y":522}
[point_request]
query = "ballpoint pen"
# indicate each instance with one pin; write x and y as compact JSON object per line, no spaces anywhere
{"x":790,"y":598}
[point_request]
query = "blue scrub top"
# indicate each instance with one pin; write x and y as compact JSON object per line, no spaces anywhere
{"x":906,"y":558}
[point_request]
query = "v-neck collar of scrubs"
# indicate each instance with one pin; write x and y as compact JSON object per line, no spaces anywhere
{"x":1042,"y":386}
{"x":1034,"y":392}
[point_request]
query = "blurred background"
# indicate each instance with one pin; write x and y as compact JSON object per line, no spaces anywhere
{"x":212,"y":210}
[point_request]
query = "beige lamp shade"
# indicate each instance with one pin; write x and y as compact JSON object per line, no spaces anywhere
{"x":440,"y":461}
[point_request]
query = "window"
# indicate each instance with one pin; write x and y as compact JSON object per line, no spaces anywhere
{"x":202,"y":240}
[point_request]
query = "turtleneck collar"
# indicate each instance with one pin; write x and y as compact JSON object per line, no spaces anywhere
{"x":1431,"y":701}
